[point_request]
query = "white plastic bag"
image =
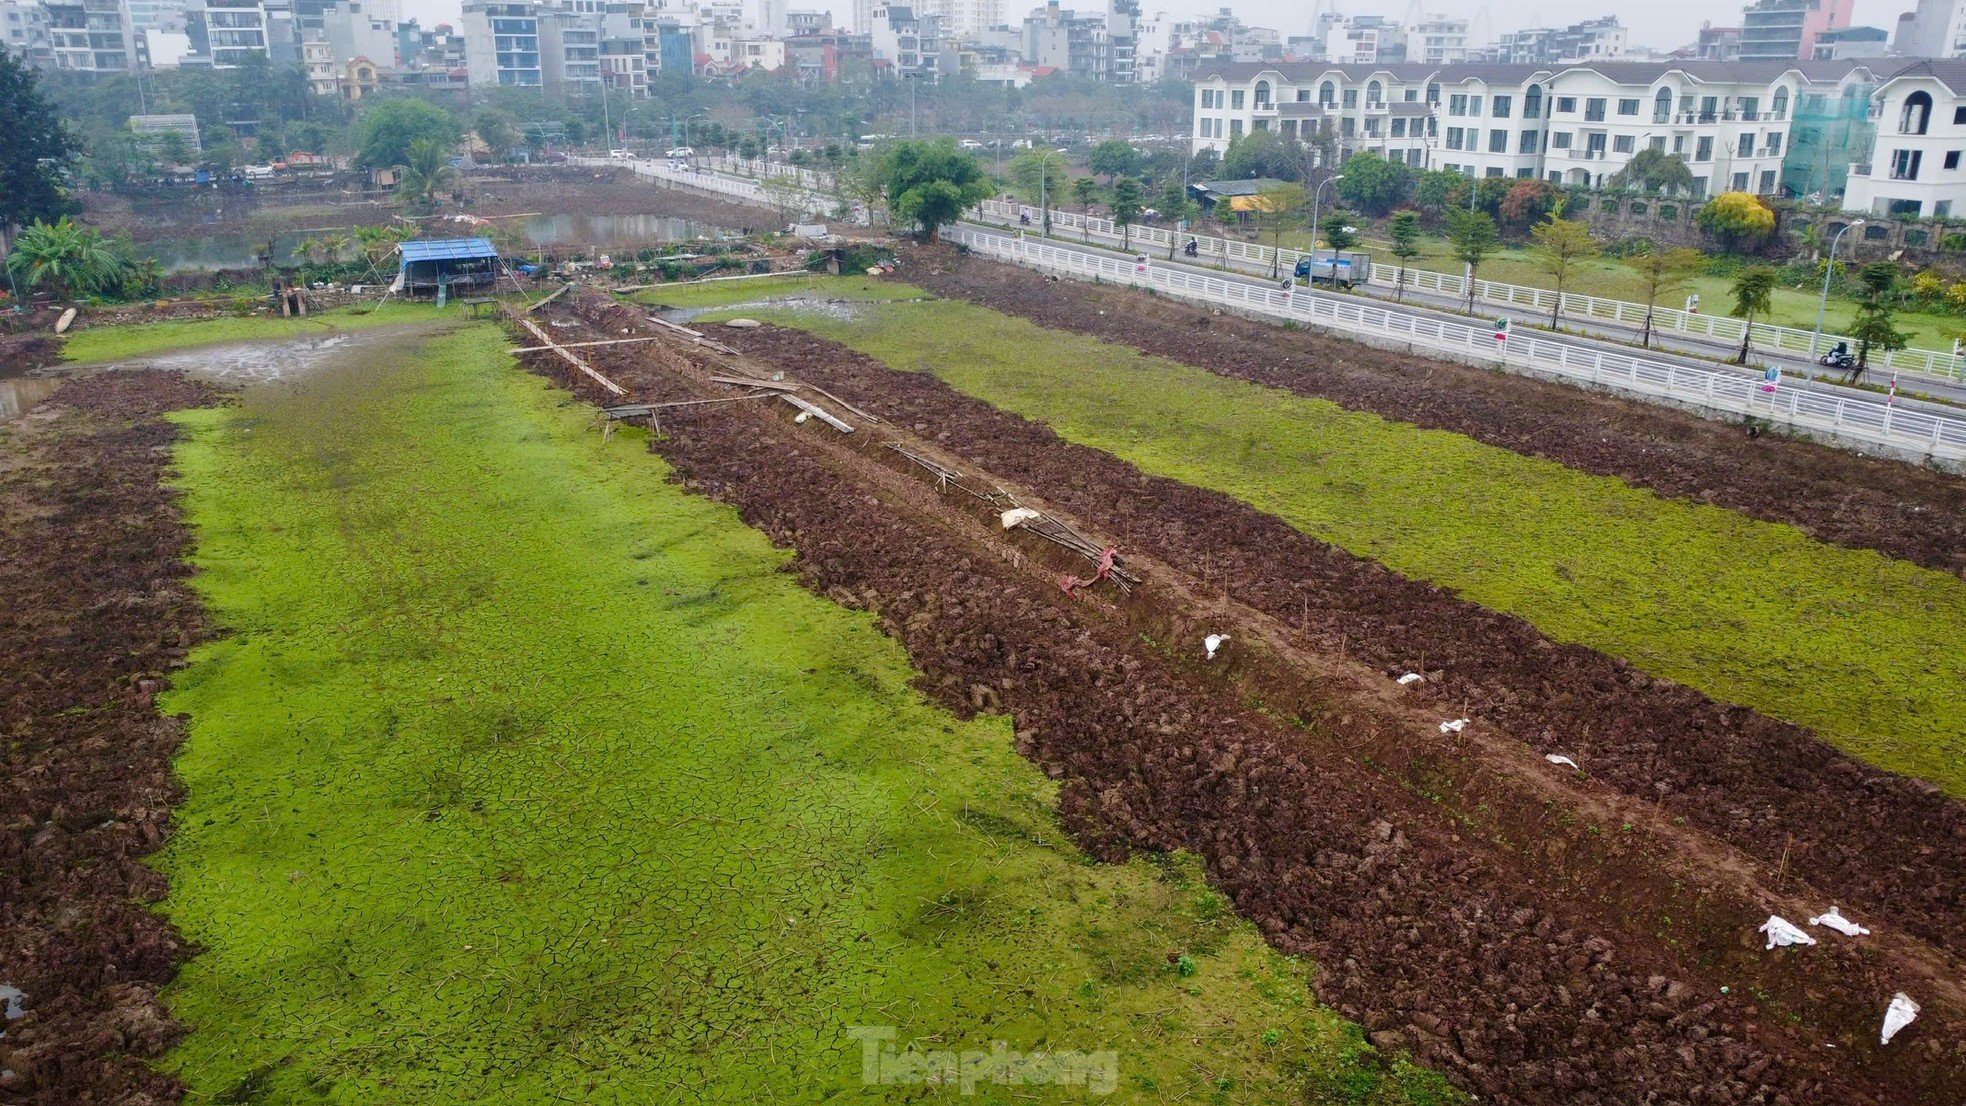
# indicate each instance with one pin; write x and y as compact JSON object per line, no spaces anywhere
{"x":1018,"y":516}
{"x":1781,"y":932}
{"x":1455,"y":726}
{"x":1900,"y":1013}
{"x":1214,"y":642}
{"x":1410,"y":678}
{"x":1833,"y":920}
{"x":1554,"y":759}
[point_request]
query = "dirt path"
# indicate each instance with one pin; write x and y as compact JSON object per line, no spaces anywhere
{"x":95,"y":613}
{"x":1834,"y":495}
{"x":1532,"y":961}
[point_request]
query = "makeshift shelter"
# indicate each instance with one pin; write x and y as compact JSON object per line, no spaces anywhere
{"x":446,"y":267}
{"x":1239,"y":195}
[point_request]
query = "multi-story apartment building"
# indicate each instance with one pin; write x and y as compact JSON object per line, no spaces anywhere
{"x":1437,"y":40}
{"x":226,"y":33}
{"x":91,"y":36}
{"x":362,"y":29}
{"x":1368,"y":40}
{"x":502,"y":43}
{"x":1600,"y":39}
{"x":1914,"y":166}
{"x":1572,"y":125}
{"x":24,"y":31}
{"x":906,"y":40}
{"x":1786,"y":30}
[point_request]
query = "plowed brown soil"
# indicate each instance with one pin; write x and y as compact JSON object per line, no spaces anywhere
{"x":1510,"y":962}
{"x":93,"y":611}
{"x":1894,"y":845}
{"x":1834,"y":495}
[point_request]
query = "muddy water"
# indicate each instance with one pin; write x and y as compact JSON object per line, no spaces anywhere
{"x":18,"y":393}
{"x":257,"y":362}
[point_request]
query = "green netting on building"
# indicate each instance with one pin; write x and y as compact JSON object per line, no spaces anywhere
{"x":1827,"y":134}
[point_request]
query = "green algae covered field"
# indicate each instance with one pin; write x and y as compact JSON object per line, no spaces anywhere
{"x":519,"y":775}
{"x":1859,"y":646}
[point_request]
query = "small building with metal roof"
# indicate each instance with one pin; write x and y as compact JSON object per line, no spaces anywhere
{"x":444,"y":267}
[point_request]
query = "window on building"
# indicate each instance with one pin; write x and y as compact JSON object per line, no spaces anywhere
{"x":1411,"y":95}
{"x":1501,"y":105}
{"x":1704,"y":151}
{"x":1679,"y":144}
{"x":1628,"y":107}
{"x":1207,"y":98}
{"x":1774,"y":143}
{"x":1453,"y":138}
{"x":1917,"y":113}
{"x":1623,"y":144}
{"x":1745,"y":147}
{"x":1351,"y":97}
{"x":1779,"y":108}
{"x":1566,"y":104}
{"x":1560,"y":140}
{"x":1433,"y":94}
{"x":1457,"y":104}
{"x":1767,"y":182}
{"x":1526,"y":143}
{"x":1904,"y":164}
{"x":1709,"y":108}
{"x":1399,"y":127}
{"x":1235,"y":99}
{"x":1375,"y":93}
{"x":1525,"y":174}
{"x":1958,"y":116}
{"x":1498,"y":142}
{"x":1941,"y":208}
{"x":1262,"y":94}
{"x":1740,"y":182}
{"x":1662,"y":106}
{"x":1303,"y":95}
{"x":1327,"y":94}
{"x":1594,"y":109}
{"x":1493,"y":171}
{"x":1532,"y":102}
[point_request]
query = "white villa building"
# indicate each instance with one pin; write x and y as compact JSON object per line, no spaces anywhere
{"x":1914,"y":167}
{"x":1574,"y":124}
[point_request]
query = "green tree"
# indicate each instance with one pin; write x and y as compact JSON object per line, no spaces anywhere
{"x":1527,"y":203}
{"x":1662,"y":272}
{"x":1128,"y":203}
{"x":931,"y":184}
{"x":1177,"y":207}
{"x":173,"y":148}
{"x":1738,"y":219}
{"x":35,"y":149}
{"x":1262,"y":154}
{"x":1085,"y":191}
{"x":384,"y":135}
{"x":426,"y":170}
{"x":1337,"y":229}
{"x":1374,"y":184}
{"x":1561,"y":245}
{"x":1405,"y":235}
{"x":1114,"y":159}
{"x":1277,"y":209}
{"x":67,"y":259}
{"x":1652,"y":170}
{"x":1872,"y":328}
{"x":1754,"y":291}
{"x":1436,"y":191}
{"x":498,"y":131}
{"x":1040,"y":175}
{"x":1472,"y":236}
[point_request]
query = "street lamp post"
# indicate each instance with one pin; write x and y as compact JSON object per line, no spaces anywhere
{"x":1315,"y":193}
{"x":1044,"y":207}
{"x":1829,"y":270}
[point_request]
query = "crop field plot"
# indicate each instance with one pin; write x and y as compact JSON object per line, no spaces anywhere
{"x":522,"y":774}
{"x":736,"y":756}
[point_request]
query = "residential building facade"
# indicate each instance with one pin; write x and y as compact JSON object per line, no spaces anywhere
{"x":1786,"y":30}
{"x":1914,"y":167}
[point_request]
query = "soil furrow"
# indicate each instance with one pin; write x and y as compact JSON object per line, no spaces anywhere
{"x":1768,"y":788}
{"x":1453,"y":947}
{"x":1834,"y":495}
{"x":96,"y":611}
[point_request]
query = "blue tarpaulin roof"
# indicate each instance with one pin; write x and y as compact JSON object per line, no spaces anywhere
{"x":446,"y":249}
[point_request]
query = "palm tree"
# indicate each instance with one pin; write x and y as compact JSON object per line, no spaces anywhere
{"x":67,"y":259}
{"x":1753,"y":290}
{"x":426,"y":169}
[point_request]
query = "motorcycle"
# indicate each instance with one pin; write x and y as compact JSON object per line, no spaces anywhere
{"x":1192,"y":249}
{"x":1838,"y":358}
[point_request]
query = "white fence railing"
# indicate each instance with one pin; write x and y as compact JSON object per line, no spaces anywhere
{"x":1250,"y":257}
{"x":1849,"y":418}
{"x":751,"y":191}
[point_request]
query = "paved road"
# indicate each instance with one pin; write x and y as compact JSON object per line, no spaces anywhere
{"x":1672,"y":347}
{"x":1413,"y":307}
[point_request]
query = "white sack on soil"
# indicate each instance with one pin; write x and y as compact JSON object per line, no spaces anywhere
{"x":1554,"y":759}
{"x":1781,"y":932}
{"x":1900,"y":1013}
{"x":1018,"y":516}
{"x":1411,"y":678}
{"x":1455,"y":726}
{"x":1839,"y":923}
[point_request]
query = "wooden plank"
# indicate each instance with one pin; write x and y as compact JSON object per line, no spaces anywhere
{"x":747,"y":382}
{"x":584,"y":345}
{"x":816,"y":413}
{"x":571,"y":357}
{"x":564,"y":289}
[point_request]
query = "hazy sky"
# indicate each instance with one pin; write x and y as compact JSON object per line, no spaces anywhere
{"x":1661,"y":23}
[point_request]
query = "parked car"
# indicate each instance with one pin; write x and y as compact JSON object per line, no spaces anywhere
{"x":970,"y":144}
{"x":622,"y":155}
{"x":680,"y":151}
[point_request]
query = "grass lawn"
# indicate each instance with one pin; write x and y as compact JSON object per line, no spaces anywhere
{"x":523,"y":777}
{"x":1607,"y":278}
{"x":117,"y":343}
{"x":711,"y":293}
{"x":1862,"y":647}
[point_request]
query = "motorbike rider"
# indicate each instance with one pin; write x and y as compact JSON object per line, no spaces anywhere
{"x":1192,"y":248}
